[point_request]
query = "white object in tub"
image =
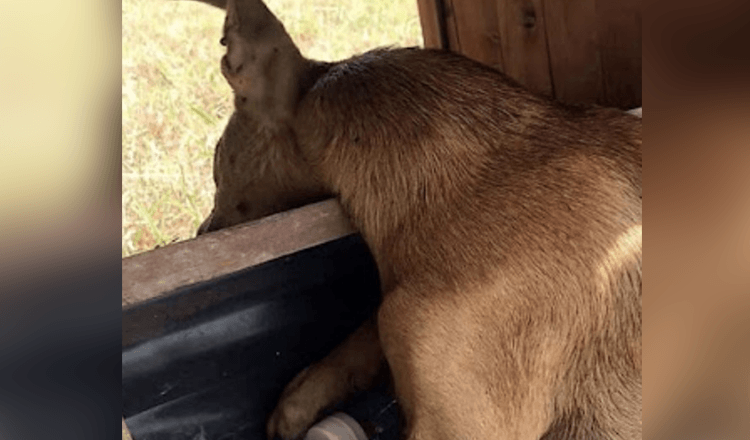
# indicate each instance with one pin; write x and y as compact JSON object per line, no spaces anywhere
{"x":637,"y":112}
{"x":338,"y":426}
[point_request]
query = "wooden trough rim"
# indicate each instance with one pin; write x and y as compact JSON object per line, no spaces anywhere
{"x":156,"y":273}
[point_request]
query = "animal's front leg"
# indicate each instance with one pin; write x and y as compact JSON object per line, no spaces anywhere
{"x":352,"y":366}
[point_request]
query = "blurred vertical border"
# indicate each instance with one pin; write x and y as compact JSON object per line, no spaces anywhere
{"x":60,"y":282}
{"x":696,"y":296}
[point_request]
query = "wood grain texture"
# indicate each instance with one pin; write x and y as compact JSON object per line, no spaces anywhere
{"x":430,"y":18}
{"x":619,"y":35}
{"x":578,"y":51}
{"x":524,"y":43}
{"x":153,"y":274}
{"x":478,"y":31}
{"x":451,"y":26}
{"x":574,"y":55}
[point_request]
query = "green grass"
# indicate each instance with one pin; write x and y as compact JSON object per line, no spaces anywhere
{"x":175,"y":103}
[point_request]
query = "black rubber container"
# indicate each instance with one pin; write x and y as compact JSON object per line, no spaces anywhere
{"x":208,"y":361}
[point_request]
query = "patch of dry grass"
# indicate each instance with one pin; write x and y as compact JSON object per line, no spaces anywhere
{"x":175,"y":102}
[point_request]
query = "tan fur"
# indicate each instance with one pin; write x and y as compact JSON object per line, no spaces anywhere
{"x":257,"y":168}
{"x":506,"y":229}
{"x":258,"y":172}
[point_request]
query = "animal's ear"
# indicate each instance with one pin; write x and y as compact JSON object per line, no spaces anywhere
{"x":262,"y":63}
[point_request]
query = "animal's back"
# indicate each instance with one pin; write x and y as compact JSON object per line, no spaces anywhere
{"x":506,"y":229}
{"x":466,"y":184}
{"x":462,"y":155}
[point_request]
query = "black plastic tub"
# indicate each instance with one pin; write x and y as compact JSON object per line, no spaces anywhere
{"x":209,"y":359}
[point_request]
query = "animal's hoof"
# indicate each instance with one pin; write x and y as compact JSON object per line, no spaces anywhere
{"x":291,"y":419}
{"x":297,"y":409}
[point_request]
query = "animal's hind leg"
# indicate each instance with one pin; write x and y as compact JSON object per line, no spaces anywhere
{"x":352,"y":366}
{"x":459,"y":378}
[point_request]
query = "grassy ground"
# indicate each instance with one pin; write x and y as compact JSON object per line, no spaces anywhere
{"x":175,"y":102}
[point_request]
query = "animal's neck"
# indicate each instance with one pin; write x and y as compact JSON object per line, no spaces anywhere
{"x":412,"y":186}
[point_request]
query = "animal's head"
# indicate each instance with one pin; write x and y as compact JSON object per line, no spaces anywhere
{"x":258,"y":170}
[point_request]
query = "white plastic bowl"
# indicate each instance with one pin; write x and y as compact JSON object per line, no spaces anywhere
{"x":338,"y":426}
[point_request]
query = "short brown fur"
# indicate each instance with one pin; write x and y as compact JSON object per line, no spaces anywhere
{"x":506,"y":229}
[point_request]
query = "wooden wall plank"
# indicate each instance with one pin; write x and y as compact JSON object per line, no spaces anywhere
{"x":574,"y":50}
{"x":619,"y":31}
{"x":451,"y":26}
{"x":522,"y":30}
{"x":431,"y":21}
{"x":575,"y":61}
{"x":478,"y":31}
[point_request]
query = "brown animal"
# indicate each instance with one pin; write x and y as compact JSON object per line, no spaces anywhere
{"x":506,"y":229}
